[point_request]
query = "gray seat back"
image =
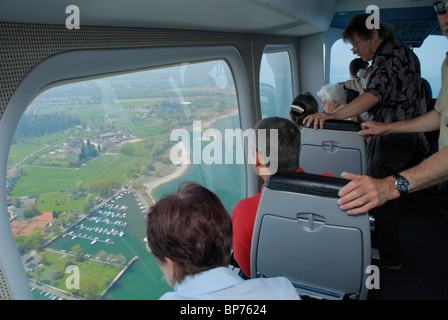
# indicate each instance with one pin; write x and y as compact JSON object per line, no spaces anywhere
{"x":301,"y":233}
{"x":336,"y":148}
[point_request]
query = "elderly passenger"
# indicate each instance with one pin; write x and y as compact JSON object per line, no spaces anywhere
{"x":333,"y":99}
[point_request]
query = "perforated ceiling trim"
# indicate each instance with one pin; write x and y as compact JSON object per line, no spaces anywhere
{"x":23,"y":46}
{"x":4,"y":291}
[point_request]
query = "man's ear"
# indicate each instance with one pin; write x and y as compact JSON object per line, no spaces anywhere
{"x":259,"y":160}
{"x":168,"y":269}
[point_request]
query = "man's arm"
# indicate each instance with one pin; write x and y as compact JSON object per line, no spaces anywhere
{"x":364,"y":193}
{"x":428,"y":173}
{"x":425,"y":123}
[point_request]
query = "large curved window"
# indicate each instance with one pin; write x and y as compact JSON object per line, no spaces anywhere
{"x":89,"y":158}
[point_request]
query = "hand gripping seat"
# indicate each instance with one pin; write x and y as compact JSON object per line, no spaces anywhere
{"x":301,"y":233}
{"x":336,"y":148}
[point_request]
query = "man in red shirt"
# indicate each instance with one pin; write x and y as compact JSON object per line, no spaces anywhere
{"x":244,"y":212}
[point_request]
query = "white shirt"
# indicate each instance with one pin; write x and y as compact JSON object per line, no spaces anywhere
{"x":441,"y":106}
{"x":224,"y":284}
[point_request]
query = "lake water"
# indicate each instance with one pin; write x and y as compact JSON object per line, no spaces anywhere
{"x":226,"y":180}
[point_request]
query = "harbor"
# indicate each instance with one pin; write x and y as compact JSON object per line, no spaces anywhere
{"x":115,"y":229}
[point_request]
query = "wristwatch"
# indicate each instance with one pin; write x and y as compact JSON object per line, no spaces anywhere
{"x":401,"y":184}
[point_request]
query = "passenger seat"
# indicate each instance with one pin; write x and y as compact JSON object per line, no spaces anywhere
{"x":301,"y":233}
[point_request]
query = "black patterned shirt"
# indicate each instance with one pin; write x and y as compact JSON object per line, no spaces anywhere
{"x":396,"y":81}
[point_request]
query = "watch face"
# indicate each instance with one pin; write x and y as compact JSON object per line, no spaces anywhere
{"x":402,"y":184}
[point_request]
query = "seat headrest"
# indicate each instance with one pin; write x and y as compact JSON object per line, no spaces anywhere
{"x":306,"y":183}
{"x":342,"y":125}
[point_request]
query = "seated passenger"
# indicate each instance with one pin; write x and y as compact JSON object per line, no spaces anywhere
{"x":302,"y":106}
{"x":190,"y":235}
{"x":245,"y":211}
{"x":359,"y":73}
{"x":334,"y":98}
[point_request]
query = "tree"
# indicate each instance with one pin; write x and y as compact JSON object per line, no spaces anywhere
{"x":82,"y":155}
{"x":31,"y":211}
{"x":80,"y":186}
{"x":88,"y":288}
{"x":77,"y":250}
{"x":88,"y":204}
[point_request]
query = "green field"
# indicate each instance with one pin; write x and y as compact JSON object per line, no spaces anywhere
{"x":96,"y":274}
{"x":39,"y":180}
{"x":48,"y":202}
{"x":20,"y":151}
{"x":145,"y":129}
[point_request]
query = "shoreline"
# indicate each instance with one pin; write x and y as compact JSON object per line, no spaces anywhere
{"x":181,"y":169}
{"x":179,"y":172}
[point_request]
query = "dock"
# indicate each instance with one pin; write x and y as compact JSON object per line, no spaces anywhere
{"x":103,"y":294}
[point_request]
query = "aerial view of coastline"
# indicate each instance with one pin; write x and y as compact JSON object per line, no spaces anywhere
{"x":87,"y":161}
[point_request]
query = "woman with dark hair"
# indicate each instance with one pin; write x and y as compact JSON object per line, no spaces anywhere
{"x":190,"y":235}
{"x":302,"y":106}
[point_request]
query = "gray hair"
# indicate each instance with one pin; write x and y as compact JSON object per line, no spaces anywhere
{"x":333,"y":92}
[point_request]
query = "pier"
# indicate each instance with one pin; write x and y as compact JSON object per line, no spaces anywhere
{"x":103,"y":294}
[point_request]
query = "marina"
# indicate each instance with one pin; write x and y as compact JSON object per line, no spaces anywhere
{"x":102,"y":225}
{"x":117,"y":227}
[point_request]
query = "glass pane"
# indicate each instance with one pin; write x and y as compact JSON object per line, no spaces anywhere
{"x":87,"y":161}
{"x":431,"y":55}
{"x":341,"y":56}
{"x":275,"y":84}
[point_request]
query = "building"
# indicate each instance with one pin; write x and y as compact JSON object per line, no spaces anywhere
{"x":25,"y":228}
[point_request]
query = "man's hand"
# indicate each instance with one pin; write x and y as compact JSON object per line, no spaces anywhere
{"x":364,"y":193}
{"x":318,"y":119}
{"x":372,"y":128}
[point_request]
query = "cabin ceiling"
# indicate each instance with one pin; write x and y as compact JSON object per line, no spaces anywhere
{"x":277,"y":17}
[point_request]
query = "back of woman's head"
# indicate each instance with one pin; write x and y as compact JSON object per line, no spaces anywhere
{"x":307,"y":105}
{"x":192,"y":228}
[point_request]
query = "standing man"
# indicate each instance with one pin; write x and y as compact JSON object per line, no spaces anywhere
{"x":364,"y":193}
{"x":393,"y":93}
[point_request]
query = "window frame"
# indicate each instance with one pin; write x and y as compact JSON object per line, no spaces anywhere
{"x":73,"y":66}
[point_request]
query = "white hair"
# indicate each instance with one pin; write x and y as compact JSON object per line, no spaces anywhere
{"x":333,"y":92}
